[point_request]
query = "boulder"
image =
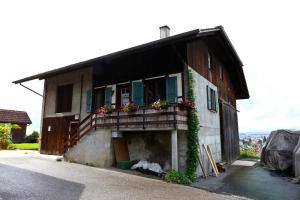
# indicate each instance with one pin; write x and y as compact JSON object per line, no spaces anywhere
{"x":278,"y":150}
{"x":296,"y":157}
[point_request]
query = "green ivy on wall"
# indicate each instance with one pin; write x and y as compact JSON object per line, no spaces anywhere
{"x":192,"y":133}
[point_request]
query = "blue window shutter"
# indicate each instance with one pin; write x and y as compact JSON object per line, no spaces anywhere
{"x":208,"y":98}
{"x":171,"y":89}
{"x":138,"y":93}
{"x":89,"y":101}
{"x":216,"y":100}
{"x":108,"y":94}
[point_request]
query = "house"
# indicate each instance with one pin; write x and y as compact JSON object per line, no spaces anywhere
{"x":16,"y":117}
{"x":142,"y":75}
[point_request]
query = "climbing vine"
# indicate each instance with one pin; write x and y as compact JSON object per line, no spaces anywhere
{"x":192,"y":133}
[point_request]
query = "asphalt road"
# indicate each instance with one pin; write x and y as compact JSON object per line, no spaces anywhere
{"x":30,"y":176}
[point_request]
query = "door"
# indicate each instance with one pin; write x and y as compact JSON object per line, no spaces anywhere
{"x":54,"y":131}
{"x":229,"y":133}
{"x":123,"y":94}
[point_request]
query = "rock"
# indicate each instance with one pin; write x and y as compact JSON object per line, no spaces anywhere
{"x":59,"y":158}
{"x":277,"y":152}
{"x":296,"y":158}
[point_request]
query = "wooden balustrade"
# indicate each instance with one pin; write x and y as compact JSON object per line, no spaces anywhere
{"x":145,"y":118}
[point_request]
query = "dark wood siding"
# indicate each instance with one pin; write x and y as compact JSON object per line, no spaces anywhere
{"x":229,"y":133}
{"x":18,"y":135}
{"x":52,"y":141}
{"x":197,"y":58}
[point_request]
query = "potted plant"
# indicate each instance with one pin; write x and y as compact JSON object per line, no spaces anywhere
{"x":129,"y":107}
{"x":105,"y":109}
{"x":158,"y":105}
{"x":186,"y":104}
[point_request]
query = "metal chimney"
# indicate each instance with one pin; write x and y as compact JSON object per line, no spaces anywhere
{"x":164,"y":31}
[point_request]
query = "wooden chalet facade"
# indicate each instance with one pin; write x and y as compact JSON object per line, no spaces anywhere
{"x":142,"y":75}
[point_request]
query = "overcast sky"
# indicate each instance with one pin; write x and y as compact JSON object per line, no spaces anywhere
{"x":36,"y":36}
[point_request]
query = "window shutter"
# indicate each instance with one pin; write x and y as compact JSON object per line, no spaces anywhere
{"x":89,"y":101}
{"x":138,"y":93}
{"x":216,"y":100}
{"x":108,"y":94}
{"x":208,"y":98}
{"x":171,"y":89}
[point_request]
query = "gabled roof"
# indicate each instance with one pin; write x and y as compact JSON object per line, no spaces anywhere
{"x":14,"y":116}
{"x":186,"y":36}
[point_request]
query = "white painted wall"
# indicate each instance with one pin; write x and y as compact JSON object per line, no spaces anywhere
{"x":74,"y":78}
{"x":209,"y":121}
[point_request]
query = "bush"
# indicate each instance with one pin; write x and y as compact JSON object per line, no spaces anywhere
{"x":33,"y":138}
{"x":248,"y":152}
{"x":5,"y":134}
{"x":173,"y":176}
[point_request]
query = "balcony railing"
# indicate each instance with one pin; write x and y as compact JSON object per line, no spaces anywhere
{"x":145,"y":118}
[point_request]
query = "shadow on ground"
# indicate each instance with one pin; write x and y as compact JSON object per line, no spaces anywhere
{"x":253,"y":182}
{"x":17,"y":183}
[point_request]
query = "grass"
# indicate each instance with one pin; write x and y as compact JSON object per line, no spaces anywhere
{"x":248,"y":153}
{"x":25,"y":146}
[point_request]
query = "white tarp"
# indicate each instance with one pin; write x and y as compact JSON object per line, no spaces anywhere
{"x":154,"y":167}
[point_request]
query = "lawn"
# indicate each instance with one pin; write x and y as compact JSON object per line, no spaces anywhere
{"x":248,"y":153}
{"x":25,"y":146}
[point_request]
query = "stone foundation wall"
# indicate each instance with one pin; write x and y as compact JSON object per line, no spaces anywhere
{"x":94,"y":149}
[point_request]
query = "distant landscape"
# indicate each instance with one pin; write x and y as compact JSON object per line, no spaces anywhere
{"x":255,"y":134}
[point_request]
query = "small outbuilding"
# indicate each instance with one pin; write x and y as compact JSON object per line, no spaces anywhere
{"x":16,"y":117}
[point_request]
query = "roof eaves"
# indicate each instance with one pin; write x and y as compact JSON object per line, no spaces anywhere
{"x":134,"y":49}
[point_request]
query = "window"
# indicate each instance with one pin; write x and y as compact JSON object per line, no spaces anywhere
{"x":99,"y":98}
{"x":155,"y":89}
{"x":209,"y":60}
{"x":221,"y":72}
{"x":64,"y":96}
{"x":211,"y":99}
{"x":125,"y":95}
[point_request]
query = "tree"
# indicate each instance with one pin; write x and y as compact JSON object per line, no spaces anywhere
{"x":33,"y":138}
{"x":5,"y":134}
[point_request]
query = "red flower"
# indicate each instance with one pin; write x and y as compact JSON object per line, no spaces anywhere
{"x":186,"y":104}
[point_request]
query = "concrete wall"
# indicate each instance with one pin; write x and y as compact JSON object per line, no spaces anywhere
{"x":74,"y":78}
{"x":153,"y":146}
{"x":182,"y":150}
{"x":94,"y":149}
{"x":209,"y":121}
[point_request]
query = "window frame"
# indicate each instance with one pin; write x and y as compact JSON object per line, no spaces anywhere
{"x":212,"y":100}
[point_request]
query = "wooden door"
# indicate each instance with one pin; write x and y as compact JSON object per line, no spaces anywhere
{"x":229,"y":133}
{"x":55,"y":129}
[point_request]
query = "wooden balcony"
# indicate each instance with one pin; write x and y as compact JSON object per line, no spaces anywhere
{"x":145,"y":118}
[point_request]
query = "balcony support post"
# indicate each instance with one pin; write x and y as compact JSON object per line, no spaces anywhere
{"x":174,"y":150}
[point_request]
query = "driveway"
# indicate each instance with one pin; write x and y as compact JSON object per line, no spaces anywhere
{"x":29,"y":175}
{"x":249,"y":179}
